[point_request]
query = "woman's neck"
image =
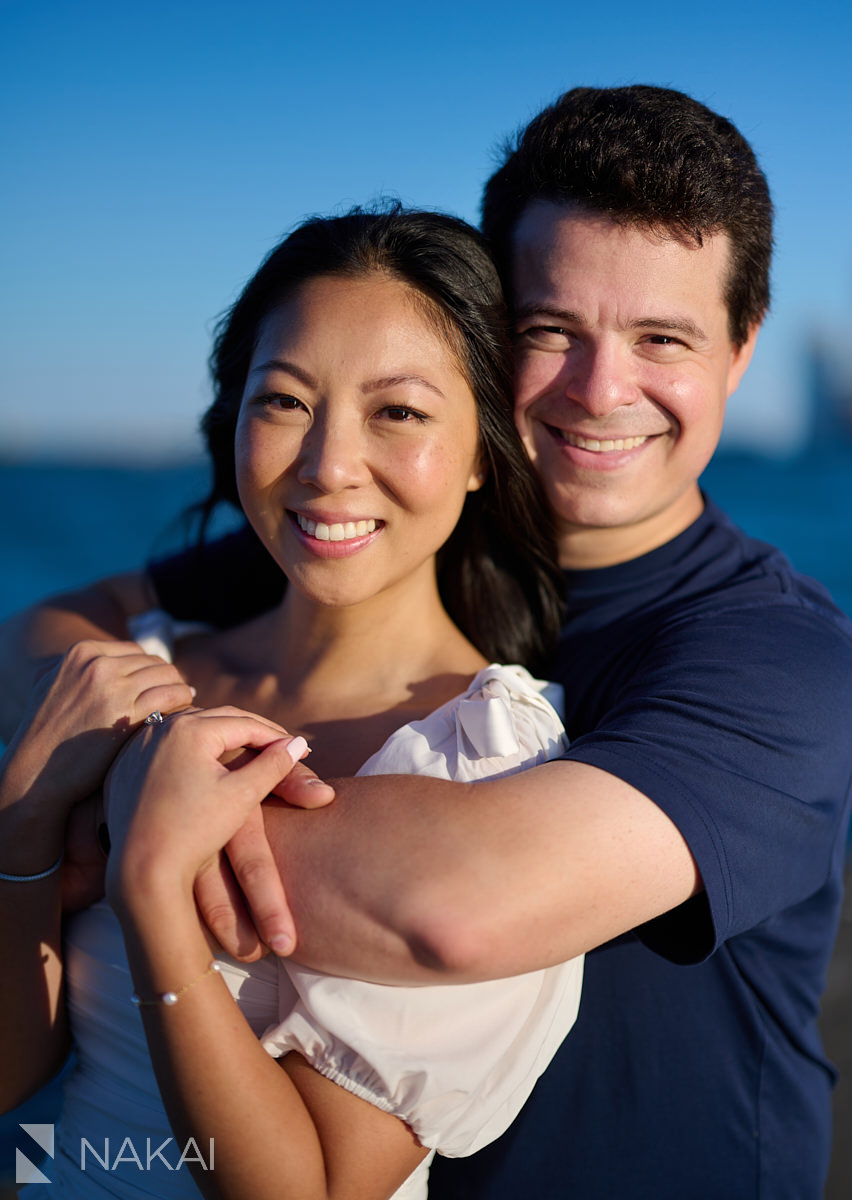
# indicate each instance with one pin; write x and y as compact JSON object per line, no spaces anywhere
{"x":345,"y":677}
{"x":384,"y":644}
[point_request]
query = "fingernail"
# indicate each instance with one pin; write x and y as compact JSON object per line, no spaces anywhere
{"x":281,"y":944}
{"x":296,"y":748}
{"x":193,"y":692}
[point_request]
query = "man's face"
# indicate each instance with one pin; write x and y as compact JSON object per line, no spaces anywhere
{"x":624,"y":364}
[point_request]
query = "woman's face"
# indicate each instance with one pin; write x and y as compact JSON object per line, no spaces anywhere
{"x":357,"y":438}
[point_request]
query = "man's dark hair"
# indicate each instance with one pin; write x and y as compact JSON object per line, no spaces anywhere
{"x":497,"y":573}
{"x":649,"y":157}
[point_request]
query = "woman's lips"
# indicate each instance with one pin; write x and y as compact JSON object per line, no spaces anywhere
{"x":335,"y":539}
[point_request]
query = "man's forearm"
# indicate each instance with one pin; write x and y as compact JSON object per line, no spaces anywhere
{"x":405,"y":879}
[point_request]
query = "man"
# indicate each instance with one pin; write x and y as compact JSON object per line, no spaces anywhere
{"x":693,"y":838}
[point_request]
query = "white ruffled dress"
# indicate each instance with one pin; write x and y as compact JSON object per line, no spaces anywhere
{"x":455,"y":1063}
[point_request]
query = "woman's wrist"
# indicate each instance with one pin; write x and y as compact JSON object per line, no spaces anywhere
{"x":147,"y":889}
{"x":26,"y":785}
{"x":32,"y":833}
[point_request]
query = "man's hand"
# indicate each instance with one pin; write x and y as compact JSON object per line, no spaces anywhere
{"x":241,"y":895}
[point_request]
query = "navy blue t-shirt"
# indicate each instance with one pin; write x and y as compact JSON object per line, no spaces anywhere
{"x":716,"y":680}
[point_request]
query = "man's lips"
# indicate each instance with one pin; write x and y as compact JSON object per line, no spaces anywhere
{"x":600,"y":445}
{"x":601,"y":453}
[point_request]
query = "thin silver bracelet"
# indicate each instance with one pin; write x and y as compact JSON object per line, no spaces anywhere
{"x":32,"y":878}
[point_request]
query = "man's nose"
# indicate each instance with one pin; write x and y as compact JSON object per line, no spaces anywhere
{"x":333,"y":457}
{"x":600,"y":380}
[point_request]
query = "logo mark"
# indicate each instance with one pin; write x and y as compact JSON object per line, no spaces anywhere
{"x":26,"y":1171}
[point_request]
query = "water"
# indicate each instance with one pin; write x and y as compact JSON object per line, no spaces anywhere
{"x":64,"y":525}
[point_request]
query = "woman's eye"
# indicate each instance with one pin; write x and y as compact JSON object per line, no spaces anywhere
{"x":281,"y":403}
{"x":401,"y":413}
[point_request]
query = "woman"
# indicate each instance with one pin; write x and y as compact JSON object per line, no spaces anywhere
{"x":361,"y":422}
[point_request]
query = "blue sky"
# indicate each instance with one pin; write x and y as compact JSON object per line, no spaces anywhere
{"x":153,"y":152}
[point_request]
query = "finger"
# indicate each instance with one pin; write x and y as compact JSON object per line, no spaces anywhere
{"x":230,"y":729}
{"x":92,"y":647}
{"x":228,"y":710}
{"x":255,"y":778}
{"x":254,"y":867}
{"x":224,"y":911}
{"x":170,"y":697}
{"x":304,"y":789}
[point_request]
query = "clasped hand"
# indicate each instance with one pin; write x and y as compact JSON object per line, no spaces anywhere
{"x":83,"y":711}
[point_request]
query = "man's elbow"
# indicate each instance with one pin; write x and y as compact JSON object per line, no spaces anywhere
{"x":455,"y":948}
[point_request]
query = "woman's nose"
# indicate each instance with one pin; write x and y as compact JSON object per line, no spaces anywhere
{"x":333,"y":456}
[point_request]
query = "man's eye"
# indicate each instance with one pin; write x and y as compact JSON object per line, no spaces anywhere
{"x":544,"y":336}
{"x":664,"y":339}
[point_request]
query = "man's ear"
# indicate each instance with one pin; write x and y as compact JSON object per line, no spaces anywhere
{"x":741,"y":357}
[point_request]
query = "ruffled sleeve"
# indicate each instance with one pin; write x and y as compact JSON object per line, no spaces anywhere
{"x":505,"y":722}
{"x":455,"y":1063}
{"x":156,"y":631}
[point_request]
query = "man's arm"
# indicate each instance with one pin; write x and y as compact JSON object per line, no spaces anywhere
{"x":408,"y":879}
{"x":37,"y":637}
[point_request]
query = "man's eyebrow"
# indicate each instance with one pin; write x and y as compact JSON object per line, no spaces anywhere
{"x":568,"y":315}
{"x":390,"y":381}
{"x":282,"y":364}
{"x":672,"y":324}
{"x":669,"y":324}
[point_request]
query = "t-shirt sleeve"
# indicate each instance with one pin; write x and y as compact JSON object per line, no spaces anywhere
{"x":737,"y":724}
{"x":221,"y":583}
{"x":455,"y":1063}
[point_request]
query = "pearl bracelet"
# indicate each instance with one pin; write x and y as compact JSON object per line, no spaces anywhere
{"x":32,"y":878}
{"x":170,"y":998}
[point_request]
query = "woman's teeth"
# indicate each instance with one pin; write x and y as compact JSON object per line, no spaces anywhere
{"x":339,"y":532}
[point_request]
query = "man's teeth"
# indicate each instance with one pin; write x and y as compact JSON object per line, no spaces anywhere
{"x":628,"y":443}
{"x":338,"y":532}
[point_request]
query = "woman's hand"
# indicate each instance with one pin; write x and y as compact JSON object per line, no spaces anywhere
{"x":172,"y":804}
{"x":80,"y":714}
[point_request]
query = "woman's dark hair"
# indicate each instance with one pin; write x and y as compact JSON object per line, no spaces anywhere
{"x":643,"y":156}
{"x":497,"y":573}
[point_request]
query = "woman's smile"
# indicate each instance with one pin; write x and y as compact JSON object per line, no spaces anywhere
{"x":336,"y":539}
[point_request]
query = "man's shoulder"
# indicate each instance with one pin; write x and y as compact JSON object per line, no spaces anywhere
{"x":724,"y":570}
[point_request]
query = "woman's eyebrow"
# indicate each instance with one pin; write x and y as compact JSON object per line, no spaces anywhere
{"x":389,"y":381}
{"x":282,"y":364}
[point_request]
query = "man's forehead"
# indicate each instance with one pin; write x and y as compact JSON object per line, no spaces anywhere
{"x":553,"y":240}
{"x":542,"y":222}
